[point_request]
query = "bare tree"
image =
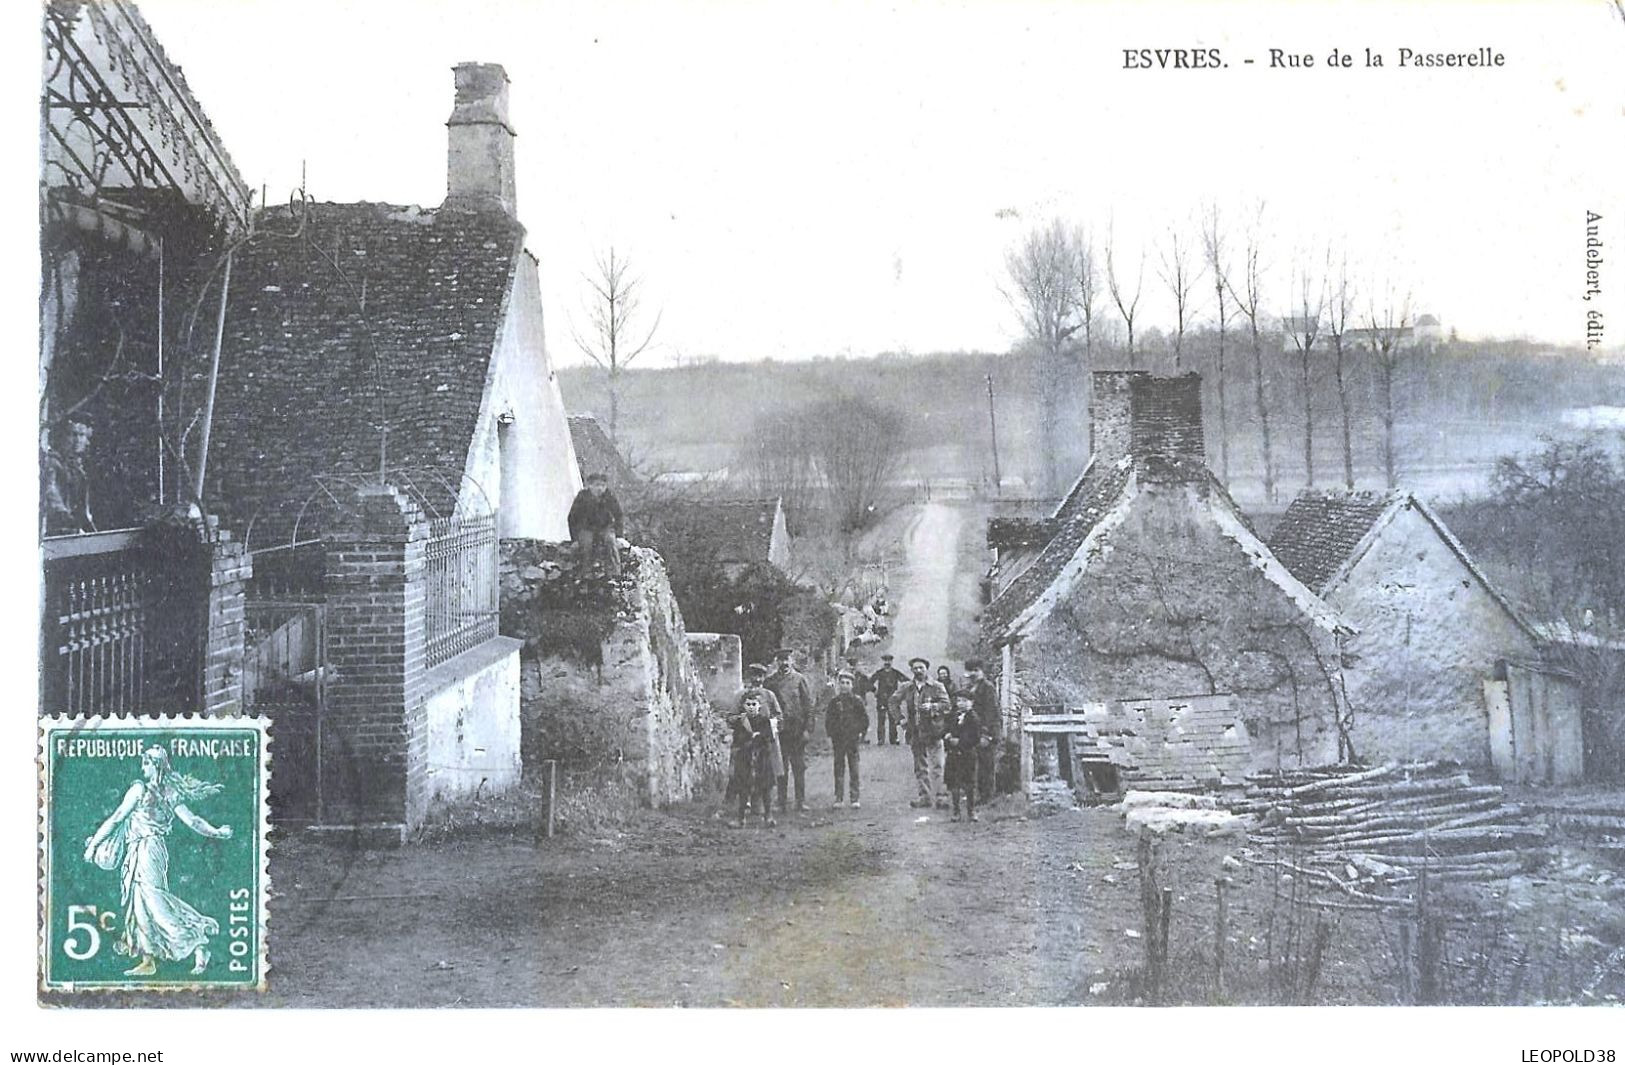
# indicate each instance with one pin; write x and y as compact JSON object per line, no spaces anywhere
{"x":1303,"y":327}
{"x":1088,"y":279}
{"x":1339,"y":310}
{"x":613,"y":339}
{"x":776,"y":459}
{"x":1180,"y":274}
{"x":1389,"y":326}
{"x":855,"y":444}
{"x":1249,"y":297}
{"x":1126,"y":303}
{"x":1215,"y":253}
{"x":1043,"y":290}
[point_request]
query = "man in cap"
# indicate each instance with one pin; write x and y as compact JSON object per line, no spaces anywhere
{"x":795,"y":695}
{"x":885,"y":682}
{"x":922,"y":704}
{"x":596,"y":525}
{"x":861,"y":688}
{"x":845,"y":721}
{"x":984,"y":703}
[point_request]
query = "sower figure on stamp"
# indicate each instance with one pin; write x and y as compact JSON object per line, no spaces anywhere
{"x":755,"y":674}
{"x":983,"y":700}
{"x":921,"y":704}
{"x":795,"y":695}
{"x":886,"y":680}
{"x":596,"y":524}
{"x":753,"y":768}
{"x":135,"y":839}
{"x":963,"y":739}
{"x":846,"y":721}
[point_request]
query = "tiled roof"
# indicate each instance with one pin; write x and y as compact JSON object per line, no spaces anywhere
{"x":596,"y":453}
{"x":1321,"y":529}
{"x":1005,"y":533}
{"x":698,"y":531}
{"x":1088,"y":502}
{"x":368,"y":317}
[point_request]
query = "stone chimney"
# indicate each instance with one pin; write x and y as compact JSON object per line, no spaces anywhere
{"x":479,"y":157}
{"x":1157,"y":420}
{"x":1111,"y":414}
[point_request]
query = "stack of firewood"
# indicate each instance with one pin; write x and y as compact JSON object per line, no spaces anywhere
{"x":1368,"y":831}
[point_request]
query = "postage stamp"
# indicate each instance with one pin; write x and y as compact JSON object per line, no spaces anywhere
{"x":153,"y":853}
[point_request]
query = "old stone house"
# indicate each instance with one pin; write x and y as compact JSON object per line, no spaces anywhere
{"x":1443,"y":665}
{"x":1148,"y":587}
{"x":361,"y":335}
{"x":390,"y":416}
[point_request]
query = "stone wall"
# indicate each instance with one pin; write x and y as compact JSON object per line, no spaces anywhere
{"x":607,"y":679}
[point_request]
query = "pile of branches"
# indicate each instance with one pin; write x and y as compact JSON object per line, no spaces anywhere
{"x":1371,"y":831}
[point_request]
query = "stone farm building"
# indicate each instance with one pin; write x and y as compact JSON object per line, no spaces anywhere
{"x":1442,"y":666}
{"x":1146,"y":592}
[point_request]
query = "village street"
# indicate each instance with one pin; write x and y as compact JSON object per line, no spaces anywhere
{"x":881,"y":906}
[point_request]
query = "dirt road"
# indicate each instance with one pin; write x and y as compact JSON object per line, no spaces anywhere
{"x":922,"y":585}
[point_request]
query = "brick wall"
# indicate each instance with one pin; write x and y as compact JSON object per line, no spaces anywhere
{"x":230,"y":568}
{"x":376,"y":735}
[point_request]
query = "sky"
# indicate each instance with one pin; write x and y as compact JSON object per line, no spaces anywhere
{"x":845,"y":179}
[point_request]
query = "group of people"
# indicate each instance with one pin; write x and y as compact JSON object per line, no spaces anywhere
{"x":953,"y":731}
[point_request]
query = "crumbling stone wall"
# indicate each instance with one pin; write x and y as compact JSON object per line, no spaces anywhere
{"x":1172,"y":605}
{"x":607,"y":680}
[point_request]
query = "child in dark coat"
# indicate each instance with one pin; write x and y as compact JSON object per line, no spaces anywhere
{"x":846,"y":721}
{"x":752,"y":763}
{"x":961,"y":739}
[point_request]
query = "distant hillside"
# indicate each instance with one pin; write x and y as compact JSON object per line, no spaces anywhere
{"x":1458,"y":408}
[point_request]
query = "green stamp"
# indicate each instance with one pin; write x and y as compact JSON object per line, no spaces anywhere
{"x":153,"y":842}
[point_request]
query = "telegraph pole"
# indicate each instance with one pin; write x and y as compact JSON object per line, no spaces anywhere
{"x":993,"y":433}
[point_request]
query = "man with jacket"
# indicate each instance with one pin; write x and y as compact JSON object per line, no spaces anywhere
{"x":983,"y":698}
{"x":795,"y":695}
{"x":923,"y":704}
{"x":596,"y":522}
{"x":845,"y":722}
{"x":886,"y":681}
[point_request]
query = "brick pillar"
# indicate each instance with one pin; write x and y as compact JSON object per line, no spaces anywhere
{"x":374,"y":739}
{"x":230,"y":567}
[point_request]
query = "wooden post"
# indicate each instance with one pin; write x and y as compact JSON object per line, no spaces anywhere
{"x":550,"y":789}
{"x":1162,"y":932}
{"x":1219,"y":931}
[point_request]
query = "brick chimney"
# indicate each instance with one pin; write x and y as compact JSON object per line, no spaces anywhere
{"x":479,"y":157}
{"x":1157,"y":420}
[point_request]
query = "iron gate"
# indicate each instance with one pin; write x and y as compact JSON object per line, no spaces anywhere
{"x":284,"y":678}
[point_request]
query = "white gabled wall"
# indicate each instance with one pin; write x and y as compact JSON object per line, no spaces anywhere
{"x":528,"y":466}
{"x":1429,"y":636}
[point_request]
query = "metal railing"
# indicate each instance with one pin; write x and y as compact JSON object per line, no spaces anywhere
{"x":460,"y":577}
{"x":121,"y":630}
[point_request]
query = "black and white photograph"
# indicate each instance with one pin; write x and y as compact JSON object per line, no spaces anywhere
{"x":838,"y":506}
